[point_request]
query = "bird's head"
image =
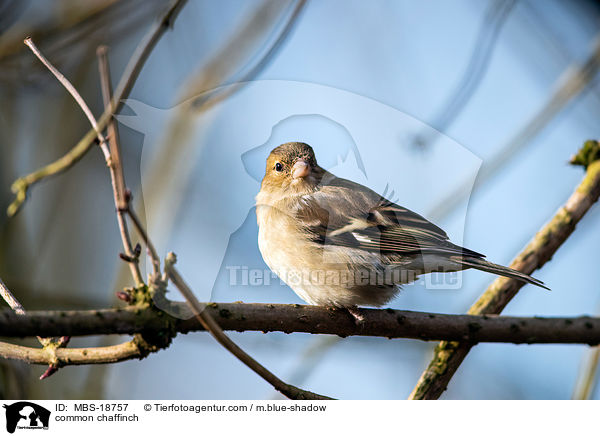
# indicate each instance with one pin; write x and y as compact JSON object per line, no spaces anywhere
{"x":291,"y":170}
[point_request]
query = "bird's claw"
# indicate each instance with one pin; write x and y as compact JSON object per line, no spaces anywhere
{"x":359,"y":318}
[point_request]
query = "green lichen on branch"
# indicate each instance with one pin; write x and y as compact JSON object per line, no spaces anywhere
{"x":141,"y":295}
{"x":142,"y":300}
{"x":151,"y":341}
{"x":589,"y":153}
{"x":148,"y":343}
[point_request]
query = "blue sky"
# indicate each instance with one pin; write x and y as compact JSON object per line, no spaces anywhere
{"x":408,"y":56}
{"x":372,"y":75}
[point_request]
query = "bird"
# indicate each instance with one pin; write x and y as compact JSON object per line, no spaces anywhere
{"x":339,"y":244}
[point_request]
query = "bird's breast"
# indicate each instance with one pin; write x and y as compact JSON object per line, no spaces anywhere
{"x":280,"y":241}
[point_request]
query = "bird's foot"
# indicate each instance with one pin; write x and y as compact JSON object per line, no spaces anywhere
{"x":359,"y":318}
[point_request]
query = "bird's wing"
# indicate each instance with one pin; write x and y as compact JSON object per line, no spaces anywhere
{"x":347,"y":214}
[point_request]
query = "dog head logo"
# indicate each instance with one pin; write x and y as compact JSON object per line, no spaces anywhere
{"x":202,"y":163}
{"x":26,"y":415}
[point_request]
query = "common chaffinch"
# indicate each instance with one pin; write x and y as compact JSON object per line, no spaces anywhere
{"x":338,"y":243}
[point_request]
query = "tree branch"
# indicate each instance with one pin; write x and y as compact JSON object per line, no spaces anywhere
{"x":10,"y":299}
{"x":59,"y":357}
{"x":116,"y":169}
{"x":290,"y":318}
{"x":154,"y":257}
{"x":449,"y":355}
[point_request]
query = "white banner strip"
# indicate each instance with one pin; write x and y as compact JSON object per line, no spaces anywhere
{"x":301,"y":417}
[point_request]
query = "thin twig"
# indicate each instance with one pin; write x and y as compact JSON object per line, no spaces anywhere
{"x":154,"y":257}
{"x":132,"y":70}
{"x":587,"y":379}
{"x":289,"y":318}
{"x":10,"y":299}
{"x":449,"y":355}
{"x":71,"y":89}
{"x":215,"y":330}
{"x":118,"y":179}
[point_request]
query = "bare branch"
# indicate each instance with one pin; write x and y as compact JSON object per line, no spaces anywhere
{"x":10,"y":299}
{"x":59,"y":357}
{"x":290,"y":318}
{"x":449,"y":355}
{"x":116,"y":169}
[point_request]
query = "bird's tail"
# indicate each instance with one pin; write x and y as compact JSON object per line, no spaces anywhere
{"x":484,"y":265}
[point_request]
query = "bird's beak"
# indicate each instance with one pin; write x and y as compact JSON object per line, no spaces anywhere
{"x":300,"y":169}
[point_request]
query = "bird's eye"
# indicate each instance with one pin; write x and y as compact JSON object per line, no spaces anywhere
{"x":278,"y":167}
